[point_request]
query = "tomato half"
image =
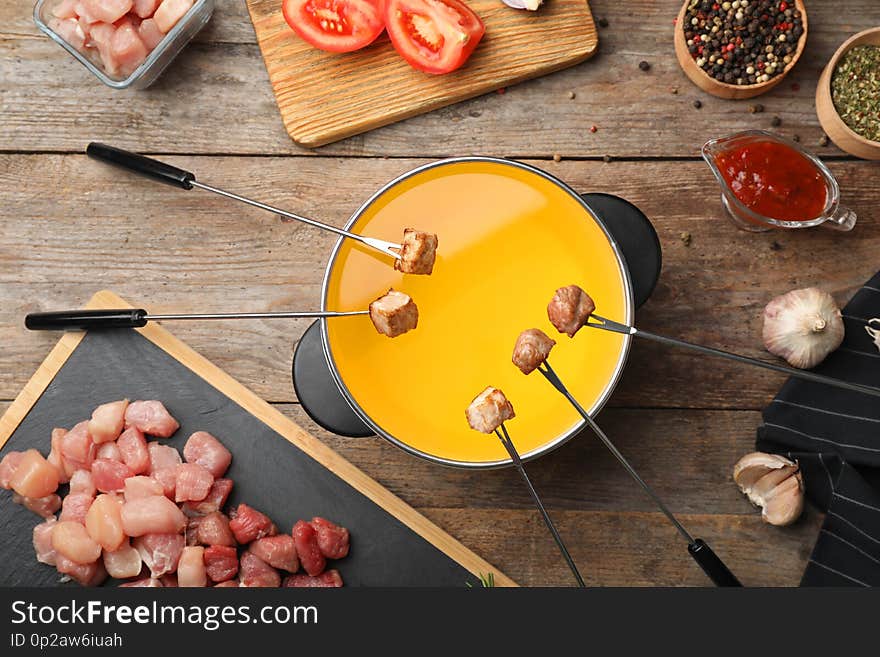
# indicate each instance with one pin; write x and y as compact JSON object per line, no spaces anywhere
{"x":434,"y":36}
{"x":335,"y":25}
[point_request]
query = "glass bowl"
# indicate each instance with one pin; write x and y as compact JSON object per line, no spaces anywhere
{"x":145,"y":74}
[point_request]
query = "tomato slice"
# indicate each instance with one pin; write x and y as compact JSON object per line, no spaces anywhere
{"x":335,"y":25}
{"x":434,"y":36}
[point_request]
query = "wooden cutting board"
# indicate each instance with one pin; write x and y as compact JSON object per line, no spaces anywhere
{"x":277,"y":466}
{"x":324,"y":97}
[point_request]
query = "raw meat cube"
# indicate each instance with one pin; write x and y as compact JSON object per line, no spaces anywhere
{"x":144,"y":8}
{"x":255,"y":573}
{"x":163,"y":466}
{"x":394,"y":313}
{"x":488,"y":410}
{"x":70,"y":30}
{"x":333,"y":540}
{"x":100,"y":35}
{"x":75,"y":506}
{"x":144,"y":582}
{"x":82,"y":482}
{"x":65,"y":9}
{"x":192,"y":484}
{"x":152,"y":418}
{"x":205,"y":450}
{"x":130,"y":52}
{"x":104,"y":522}
{"x":169,"y":12}
{"x":109,"y":451}
{"x":215,"y":500}
{"x":42,"y":506}
{"x":160,"y":552}
{"x":140,"y":486}
{"x":86,"y":18}
{"x":106,"y":10}
{"x":87,"y":574}
{"x":124,"y":562}
{"x":152,"y":515}
{"x":150,"y":33}
{"x":191,"y":567}
{"x":532,"y":348}
{"x":248,"y":524}
{"x":8,"y":466}
{"x":55,"y":457}
{"x":310,"y":555}
{"x":570,"y":309}
{"x":107,"y":421}
{"x":133,"y":449}
{"x":229,"y":584}
{"x":34,"y":476}
{"x":213,"y":529}
{"x":110,"y":475}
{"x":70,"y":539}
{"x":43,"y":542}
{"x":329,"y":579}
{"x":277,"y":551}
{"x":78,"y":449}
{"x":418,"y":252}
{"x":221,"y":563}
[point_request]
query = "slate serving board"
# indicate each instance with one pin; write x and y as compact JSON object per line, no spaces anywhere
{"x":277,"y":467}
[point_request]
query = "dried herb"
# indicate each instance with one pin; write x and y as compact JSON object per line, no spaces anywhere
{"x":855,"y":90}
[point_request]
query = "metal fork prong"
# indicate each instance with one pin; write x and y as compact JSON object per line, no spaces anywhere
{"x":610,"y":325}
{"x":389,"y":248}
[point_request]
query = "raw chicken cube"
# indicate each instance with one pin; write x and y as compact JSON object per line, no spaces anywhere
{"x":570,"y":309}
{"x":78,"y":449}
{"x":169,"y":12}
{"x":109,"y":451}
{"x":110,"y":475}
{"x":394,"y":313}
{"x":254,"y":572}
{"x":86,"y":18}
{"x":43,"y":542}
{"x":82,"y":482}
{"x":107,"y":421}
{"x":152,"y":515}
{"x":531,"y":350}
{"x":124,"y":562}
{"x":213,"y":529}
{"x":70,"y":539}
{"x":65,"y":9}
{"x":130,"y":52}
{"x":8,"y":466}
{"x":163,"y":466}
{"x":310,"y":555}
{"x":144,"y":8}
{"x":215,"y":500}
{"x":151,"y":417}
{"x":87,"y":574}
{"x":104,"y":522}
{"x":75,"y":506}
{"x":488,"y":410}
{"x":42,"y":506}
{"x":100,"y":35}
{"x":229,"y":584}
{"x":150,"y":33}
{"x":70,"y":30}
{"x":221,"y":563}
{"x":248,"y":524}
{"x":55,"y":457}
{"x":333,"y":540}
{"x":140,"y":486}
{"x":205,"y":450}
{"x":106,"y":10}
{"x":145,"y":582}
{"x":160,"y":552}
{"x":191,"y":567}
{"x":277,"y":551}
{"x":418,"y":252}
{"x":193,"y":483}
{"x":133,"y":449}
{"x":34,"y":476}
{"x":329,"y":579}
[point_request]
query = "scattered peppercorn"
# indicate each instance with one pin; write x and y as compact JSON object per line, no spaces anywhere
{"x":698,"y":103}
{"x":756,"y":109}
{"x":571,"y":95}
{"x":775,"y":246}
{"x":795,"y":137}
{"x":501,"y":91}
{"x":685,"y":238}
{"x":557,"y":157}
{"x":823,"y":140}
{"x":855,"y":90}
{"x":645,"y":66}
{"x":742,"y":42}
{"x":603,"y":22}
{"x":776,"y":122}
{"x":594,"y":128}
{"x":674,"y":91}
{"x":606,"y":158}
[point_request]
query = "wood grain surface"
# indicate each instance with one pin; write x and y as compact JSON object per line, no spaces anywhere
{"x":324,"y":97}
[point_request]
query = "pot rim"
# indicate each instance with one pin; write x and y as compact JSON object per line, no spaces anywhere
{"x":560,"y":439}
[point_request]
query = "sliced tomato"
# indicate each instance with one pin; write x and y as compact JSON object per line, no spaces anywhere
{"x":434,"y":36}
{"x":335,"y":25}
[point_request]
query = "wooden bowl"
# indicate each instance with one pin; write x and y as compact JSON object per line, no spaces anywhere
{"x":721,"y":89}
{"x":840,"y":133}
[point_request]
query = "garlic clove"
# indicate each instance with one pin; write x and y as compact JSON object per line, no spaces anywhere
{"x":785,"y":503}
{"x":751,"y":467}
{"x":773,"y":483}
{"x":873,"y":329}
{"x":763,"y":488}
{"x":530,"y":5}
{"x":803,"y":327}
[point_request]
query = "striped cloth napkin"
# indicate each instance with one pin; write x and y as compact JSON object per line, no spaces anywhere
{"x":835,"y":436}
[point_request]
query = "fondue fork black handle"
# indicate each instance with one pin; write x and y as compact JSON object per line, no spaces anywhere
{"x":617,"y":327}
{"x":88,"y":320}
{"x":504,"y":437}
{"x":719,"y":573}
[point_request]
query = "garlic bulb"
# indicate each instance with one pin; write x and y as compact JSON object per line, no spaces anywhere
{"x":773,"y":483}
{"x":874,"y":331}
{"x":803,"y":327}
{"x":531,"y":5}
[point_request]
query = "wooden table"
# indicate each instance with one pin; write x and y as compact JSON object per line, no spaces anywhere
{"x":70,"y":227}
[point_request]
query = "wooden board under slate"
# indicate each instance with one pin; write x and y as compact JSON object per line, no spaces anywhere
{"x":278,"y":468}
{"x":324,"y":97}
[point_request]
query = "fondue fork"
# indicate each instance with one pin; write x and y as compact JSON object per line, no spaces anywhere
{"x":617,"y":327}
{"x":171,"y":175}
{"x":719,"y":573}
{"x":504,"y":437}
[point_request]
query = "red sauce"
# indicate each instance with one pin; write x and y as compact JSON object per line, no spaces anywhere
{"x":774,"y":180}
